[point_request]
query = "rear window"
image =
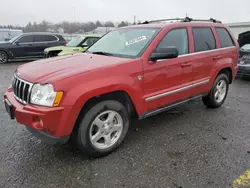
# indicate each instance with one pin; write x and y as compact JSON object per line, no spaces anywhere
{"x":203,"y":39}
{"x":225,"y":38}
{"x":45,"y":38}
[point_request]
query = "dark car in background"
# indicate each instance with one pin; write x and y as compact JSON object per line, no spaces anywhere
{"x":29,"y":46}
{"x":244,"y":54}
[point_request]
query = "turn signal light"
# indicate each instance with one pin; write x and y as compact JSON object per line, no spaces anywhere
{"x":58,"y":98}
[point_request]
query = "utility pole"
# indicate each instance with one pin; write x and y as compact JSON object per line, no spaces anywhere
{"x":74,"y":7}
{"x":134,"y":20}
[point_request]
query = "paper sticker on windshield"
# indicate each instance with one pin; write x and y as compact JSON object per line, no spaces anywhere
{"x":138,"y":39}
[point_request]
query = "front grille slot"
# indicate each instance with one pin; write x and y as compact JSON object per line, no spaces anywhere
{"x":21,"y":89}
{"x":245,"y":57}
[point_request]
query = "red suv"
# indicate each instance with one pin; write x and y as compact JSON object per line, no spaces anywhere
{"x":140,"y":70}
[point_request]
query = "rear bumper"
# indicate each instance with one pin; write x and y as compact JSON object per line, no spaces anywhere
{"x":46,"y":123}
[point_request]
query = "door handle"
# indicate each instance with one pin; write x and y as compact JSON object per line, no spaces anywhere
{"x":217,"y":57}
{"x":30,"y":45}
{"x":186,"y":64}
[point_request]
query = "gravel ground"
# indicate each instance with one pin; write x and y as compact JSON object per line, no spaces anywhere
{"x":190,"y":146}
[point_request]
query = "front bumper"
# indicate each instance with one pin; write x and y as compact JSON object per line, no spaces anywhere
{"x":243,"y":70}
{"x":47,"y":137}
{"x":43,"y":122}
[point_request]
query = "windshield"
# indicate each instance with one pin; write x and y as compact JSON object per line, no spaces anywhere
{"x":246,"y":47}
{"x":75,"y":42}
{"x":128,"y":42}
{"x":14,"y":38}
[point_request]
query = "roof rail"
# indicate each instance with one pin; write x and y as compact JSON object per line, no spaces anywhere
{"x":186,"y":19}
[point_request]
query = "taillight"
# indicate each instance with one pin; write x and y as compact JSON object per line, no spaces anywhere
{"x":65,"y":43}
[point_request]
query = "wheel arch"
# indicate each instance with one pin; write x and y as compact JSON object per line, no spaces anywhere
{"x":117,"y":95}
{"x":6,"y":51}
{"x":121,"y":96}
{"x":228,"y":72}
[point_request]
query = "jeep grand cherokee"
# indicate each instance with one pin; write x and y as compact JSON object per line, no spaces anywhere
{"x":137,"y":70}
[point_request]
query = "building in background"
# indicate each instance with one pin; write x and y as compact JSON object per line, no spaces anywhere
{"x":6,"y":34}
{"x":239,"y":27}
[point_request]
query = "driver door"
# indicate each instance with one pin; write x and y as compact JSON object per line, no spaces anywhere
{"x":23,"y":47}
{"x":168,"y":81}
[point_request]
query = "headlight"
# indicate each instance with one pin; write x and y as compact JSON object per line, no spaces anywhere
{"x":45,"y":95}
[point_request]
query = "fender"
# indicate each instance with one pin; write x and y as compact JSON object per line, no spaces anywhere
{"x":79,"y":95}
{"x":221,"y":64}
{"x":6,"y":51}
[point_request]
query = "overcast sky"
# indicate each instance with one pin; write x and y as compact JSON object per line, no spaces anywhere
{"x":22,"y":11}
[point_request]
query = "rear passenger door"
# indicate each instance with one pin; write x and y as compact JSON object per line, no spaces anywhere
{"x":227,"y":46}
{"x":43,"y":41}
{"x":203,"y":58}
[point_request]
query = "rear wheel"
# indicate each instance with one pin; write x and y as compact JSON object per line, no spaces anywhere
{"x":3,"y":57}
{"x":218,"y":93}
{"x":103,"y":128}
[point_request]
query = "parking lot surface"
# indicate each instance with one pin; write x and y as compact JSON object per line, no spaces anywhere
{"x":190,"y":146}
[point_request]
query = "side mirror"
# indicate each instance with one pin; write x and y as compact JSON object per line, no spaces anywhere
{"x":17,"y":43}
{"x":85,"y":46}
{"x":164,"y":53}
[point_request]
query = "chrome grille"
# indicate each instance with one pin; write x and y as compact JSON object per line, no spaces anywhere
{"x":21,"y":89}
{"x":245,"y":57}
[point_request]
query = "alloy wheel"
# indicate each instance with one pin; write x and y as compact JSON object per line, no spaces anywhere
{"x":3,"y":57}
{"x":106,"y":129}
{"x":220,"y":91}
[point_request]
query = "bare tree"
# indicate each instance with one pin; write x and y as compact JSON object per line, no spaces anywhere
{"x":109,"y":24}
{"x":98,"y":24}
{"x":123,"y":24}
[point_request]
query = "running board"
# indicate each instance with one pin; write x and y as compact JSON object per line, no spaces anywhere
{"x":159,"y":110}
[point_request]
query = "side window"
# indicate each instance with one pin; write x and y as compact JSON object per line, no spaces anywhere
{"x":45,"y":38}
{"x":203,"y":39}
{"x":51,"y":38}
{"x":90,"y":41}
{"x":27,"y":38}
{"x":225,"y":38}
{"x":177,"y":38}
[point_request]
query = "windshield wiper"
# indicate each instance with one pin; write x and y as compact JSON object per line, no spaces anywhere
{"x":103,"y":53}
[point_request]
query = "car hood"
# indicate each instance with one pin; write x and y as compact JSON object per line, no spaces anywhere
{"x":4,"y":43}
{"x":64,"y":48}
{"x":244,"y":38}
{"x":54,"y":48}
{"x":57,"y":68}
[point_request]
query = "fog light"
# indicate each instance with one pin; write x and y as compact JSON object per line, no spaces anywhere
{"x":9,"y":89}
{"x":37,"y":123}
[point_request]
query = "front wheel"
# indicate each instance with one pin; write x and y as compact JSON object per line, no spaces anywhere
{"x":3,"y":57}
{"x":218,"y":93}
{"x":103,"y":128}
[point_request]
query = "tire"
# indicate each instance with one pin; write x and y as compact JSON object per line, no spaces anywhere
{"x":93,"y":135}
{"x":3,"y":57}
{"x":218,"y":93}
